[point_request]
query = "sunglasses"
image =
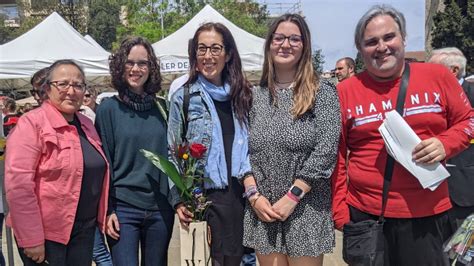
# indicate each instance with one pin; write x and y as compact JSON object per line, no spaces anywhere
{"x":87,"y":95}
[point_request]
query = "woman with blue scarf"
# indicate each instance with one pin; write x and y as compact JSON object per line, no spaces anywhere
{"x":219,"y":102}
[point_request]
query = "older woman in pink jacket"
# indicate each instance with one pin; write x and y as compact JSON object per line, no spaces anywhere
{"x":56,"y":175}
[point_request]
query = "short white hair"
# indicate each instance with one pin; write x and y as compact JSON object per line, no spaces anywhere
{"x":450,"y":57}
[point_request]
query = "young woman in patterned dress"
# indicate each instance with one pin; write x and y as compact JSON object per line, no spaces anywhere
{"x":294,"y":129}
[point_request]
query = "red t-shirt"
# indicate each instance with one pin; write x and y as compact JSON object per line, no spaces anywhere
{"x":435,"y":106}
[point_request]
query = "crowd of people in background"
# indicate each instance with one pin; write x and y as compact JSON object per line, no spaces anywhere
{"x":289,"y":160}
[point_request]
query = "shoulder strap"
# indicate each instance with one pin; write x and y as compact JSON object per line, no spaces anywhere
{"x":186,"y":98}
{"x":387,"y":179}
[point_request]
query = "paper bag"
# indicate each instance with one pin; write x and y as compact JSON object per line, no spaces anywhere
{"x":195,"y":244}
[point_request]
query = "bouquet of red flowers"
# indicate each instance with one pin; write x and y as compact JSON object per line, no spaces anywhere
{"x":183,"y":170}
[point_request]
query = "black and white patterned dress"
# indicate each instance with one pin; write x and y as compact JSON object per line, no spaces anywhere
{"x":282,"y":149}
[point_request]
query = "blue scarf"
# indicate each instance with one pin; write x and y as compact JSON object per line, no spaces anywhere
{"x":216,"y":167}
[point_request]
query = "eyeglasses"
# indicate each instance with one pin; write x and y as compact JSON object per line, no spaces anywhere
{"x":63,"y":86}
{"x":216,"y":49}
{"x":87,"y":95}
{"x":142,"y":64}
{"x":293,"y":39}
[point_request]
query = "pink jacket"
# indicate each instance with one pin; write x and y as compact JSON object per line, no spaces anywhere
{"x":43,"y":176}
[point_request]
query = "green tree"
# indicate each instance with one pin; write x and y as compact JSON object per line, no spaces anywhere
{"x":248,"y":15}
{"x":454,"y":27}
{"x":318,"y":61}
{"x":5,"y":32}
{"x":103,"y":21}
{"x":359,"y":63}
{"x":144,"y":17}
{"x":73,"y":11}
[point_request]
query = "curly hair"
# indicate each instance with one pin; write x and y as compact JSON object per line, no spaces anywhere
{"x":240,"y":87}
{"x":119,"y":58}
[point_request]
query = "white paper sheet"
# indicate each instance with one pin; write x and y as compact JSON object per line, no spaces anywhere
{"x":400,"y":140}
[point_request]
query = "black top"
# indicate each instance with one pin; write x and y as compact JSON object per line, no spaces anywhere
{"x":460,"y":182}
{"x":224,"y":111}
{"x":92,"y":178}
{"x":225,"y":215}
{"x":468,"y":87}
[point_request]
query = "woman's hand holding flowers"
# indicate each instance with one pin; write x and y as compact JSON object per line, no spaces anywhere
{"x":184,"y":215}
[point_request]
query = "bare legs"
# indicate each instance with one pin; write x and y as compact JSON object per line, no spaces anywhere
{"x":279,"y":259}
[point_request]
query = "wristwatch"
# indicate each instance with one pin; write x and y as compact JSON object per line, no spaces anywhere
{"x":296,"y":191}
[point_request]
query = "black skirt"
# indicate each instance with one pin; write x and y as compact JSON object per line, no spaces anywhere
{"x":225,"y":218}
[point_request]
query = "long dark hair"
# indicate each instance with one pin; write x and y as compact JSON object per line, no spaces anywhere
{"x":232,"y":73}
{"x":117,"y":66}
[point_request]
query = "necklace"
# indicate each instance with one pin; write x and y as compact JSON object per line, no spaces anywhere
{"x":284,"y":86}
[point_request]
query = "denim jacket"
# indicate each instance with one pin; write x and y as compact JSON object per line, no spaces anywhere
{"x":199,"y":126}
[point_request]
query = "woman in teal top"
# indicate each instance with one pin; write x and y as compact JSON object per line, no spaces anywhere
{"x":139,"y":212}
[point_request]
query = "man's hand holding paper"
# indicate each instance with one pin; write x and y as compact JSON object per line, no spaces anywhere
{"x":420,"y":158}
{"x":429,"y":151}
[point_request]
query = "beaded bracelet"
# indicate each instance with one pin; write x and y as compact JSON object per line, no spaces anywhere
{"x":250,"y":191}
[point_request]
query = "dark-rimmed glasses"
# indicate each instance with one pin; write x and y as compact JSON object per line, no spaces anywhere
{"x":293,"y":39}
{"x":142,"y":64}
{"x":64,"y":85}
{"x":216,"y":49}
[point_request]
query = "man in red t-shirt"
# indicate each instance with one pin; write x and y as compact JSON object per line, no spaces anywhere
{"x":435,"y":107}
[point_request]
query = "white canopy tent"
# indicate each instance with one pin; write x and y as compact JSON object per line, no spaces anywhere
{"x":93,"y":42}
{"x":172,"y":51}
{"x":51,"y":40}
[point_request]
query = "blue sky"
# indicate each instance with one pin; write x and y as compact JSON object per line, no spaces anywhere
{"x":332,"y":24}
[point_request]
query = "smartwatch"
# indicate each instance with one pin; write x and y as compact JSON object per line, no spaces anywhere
{"x":296,"y":191}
